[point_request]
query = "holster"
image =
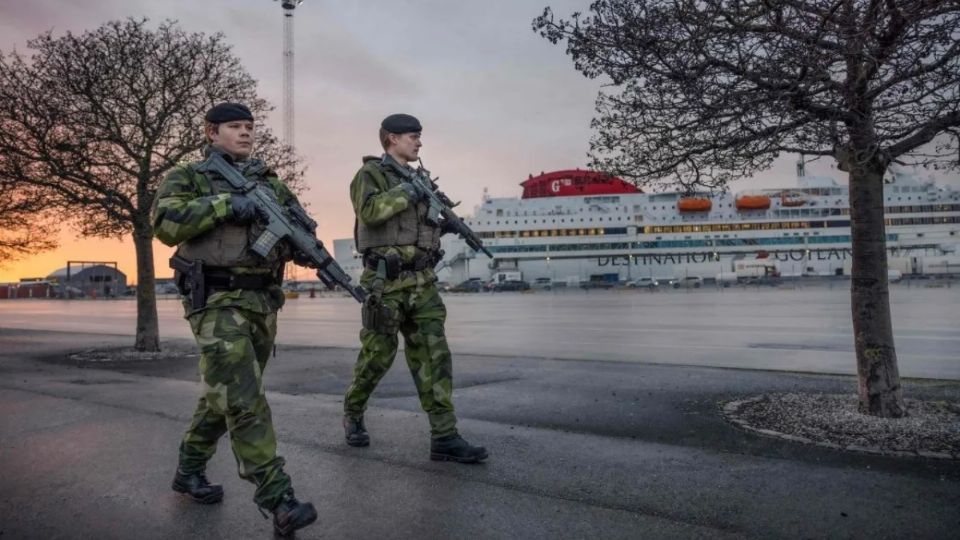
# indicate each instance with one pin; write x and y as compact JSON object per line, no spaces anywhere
{"x":392,"y":266}
{"x":375,"y":315}
{"x":198,"y":281}
{"x":189,"y":278}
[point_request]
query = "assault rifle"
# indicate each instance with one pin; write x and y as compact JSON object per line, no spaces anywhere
{"x":442,"y":207}
{"x":291,"y":223}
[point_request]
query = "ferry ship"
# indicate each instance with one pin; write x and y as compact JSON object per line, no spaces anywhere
{"x":576,"y":226}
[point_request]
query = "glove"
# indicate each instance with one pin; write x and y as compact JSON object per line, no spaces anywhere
{"x":413,"y":194}
{"x":447,"y":227}
{"x":301,"y":259}
{"x":244,"y":210}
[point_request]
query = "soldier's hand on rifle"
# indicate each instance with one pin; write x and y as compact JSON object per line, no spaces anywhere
{"x":447,"y":226}
{"x":411,"y":191}
{"x":302,"y":259}
{"x":244,"y":210}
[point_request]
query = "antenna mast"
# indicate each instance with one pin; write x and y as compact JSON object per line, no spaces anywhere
{"x":288,"y":7}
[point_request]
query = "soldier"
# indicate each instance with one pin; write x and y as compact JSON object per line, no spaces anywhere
{"x":400,"y":249}
{"x":233,"y":317}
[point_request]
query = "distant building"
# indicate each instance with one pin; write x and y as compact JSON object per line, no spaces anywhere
{"x":8,"y":290}
{"x":27,"y":288}
{"x":98,"y":281}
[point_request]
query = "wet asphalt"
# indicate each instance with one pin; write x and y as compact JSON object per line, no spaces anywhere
{"x":579,"y":448}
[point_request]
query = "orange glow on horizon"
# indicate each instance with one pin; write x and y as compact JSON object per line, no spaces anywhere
{"x":75,"y":248}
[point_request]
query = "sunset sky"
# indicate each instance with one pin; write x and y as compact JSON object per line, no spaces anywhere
{"x":497,"y":101}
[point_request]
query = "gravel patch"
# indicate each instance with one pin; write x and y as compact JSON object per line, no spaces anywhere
{"x":931,"y":429}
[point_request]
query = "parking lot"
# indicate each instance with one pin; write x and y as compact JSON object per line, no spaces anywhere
{"x":797,"y":326}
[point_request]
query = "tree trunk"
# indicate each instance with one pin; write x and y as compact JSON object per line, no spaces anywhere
{"x":879,"y":378}
{"x":148,"y":331}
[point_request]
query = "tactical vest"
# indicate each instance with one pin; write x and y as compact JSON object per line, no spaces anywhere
{"x":406,"y":228}
{"x":228,"y":244}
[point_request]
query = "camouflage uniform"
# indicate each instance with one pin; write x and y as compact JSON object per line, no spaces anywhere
{"x":378,"y":197}
{"x":235,"y":331}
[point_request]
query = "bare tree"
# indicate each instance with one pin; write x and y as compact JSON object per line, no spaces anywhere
{"x":704,"y":91}
{"x":93,"y":122}
{"x":25,"y":225}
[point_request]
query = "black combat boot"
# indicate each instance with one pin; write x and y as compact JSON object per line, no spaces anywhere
{"x":355,"y":432}
{"x":197,"y":487}
{"x":454,"y":448}
{"x":292,"y":514}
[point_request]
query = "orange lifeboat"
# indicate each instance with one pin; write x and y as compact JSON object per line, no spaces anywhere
{"x":792,"y":199}
{"x":753,"y":202}
{"x":694,"y":204}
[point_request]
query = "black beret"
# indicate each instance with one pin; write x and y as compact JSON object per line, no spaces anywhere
{"x":228,"y":112}
{"x":401,"y":123}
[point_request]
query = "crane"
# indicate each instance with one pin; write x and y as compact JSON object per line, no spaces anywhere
{"x":288,"y":7}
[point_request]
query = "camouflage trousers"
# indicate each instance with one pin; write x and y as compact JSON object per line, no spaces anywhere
{"x":234,"y":347}
{"x":421,"y":315}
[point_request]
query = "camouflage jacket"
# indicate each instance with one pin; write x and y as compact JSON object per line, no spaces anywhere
{"x":187,"y":205}
{"x":374,"y":202}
